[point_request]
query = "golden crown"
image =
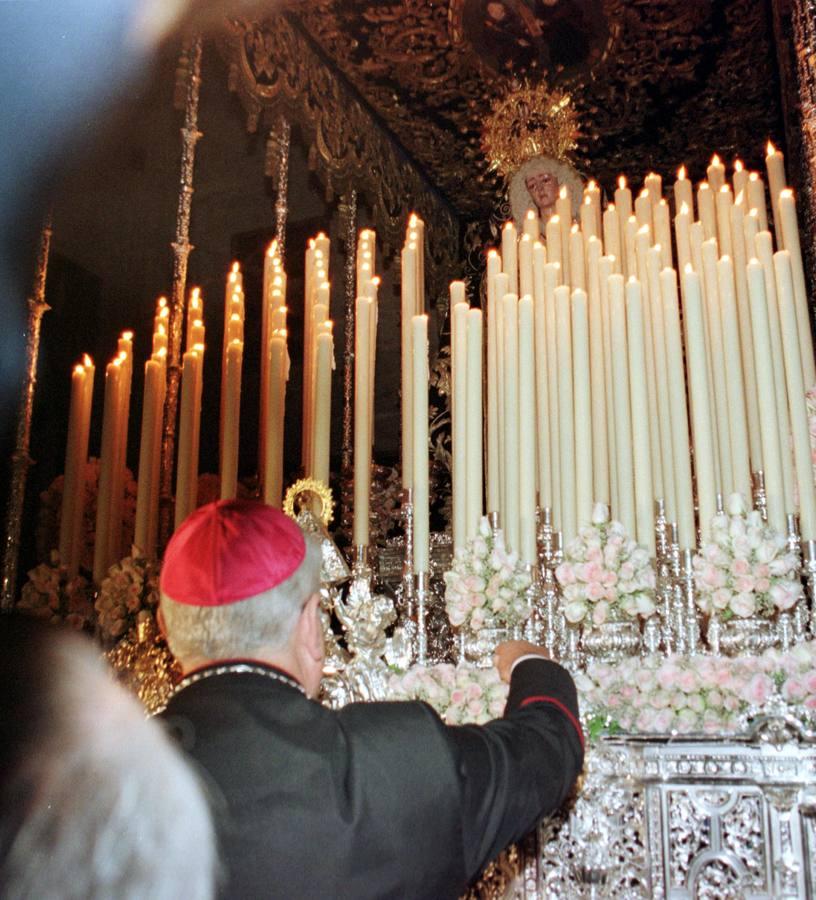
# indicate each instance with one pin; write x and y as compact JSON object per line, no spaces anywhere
{"x":530,"y":121}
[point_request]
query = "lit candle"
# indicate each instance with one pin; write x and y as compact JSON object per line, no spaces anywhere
{"x":653,"y":185}
{"x":408,"y":309}
{"x":362,"y":420}
{"x":555,"y":251}
{"x":724,"y":202}
{"x":275,"y":416}
{"x":643,"y":209}
{"x":525,"y":265}
{"x":621,"y":402}
{"x":605,"y":269}
{"x":777,"y":181}
{"x":796,"y":395}
{"x":681,"y":454}
{"x":600,"y":450}
{"x":492,"y":269}
{"x":662,"y":232}
{"x":612,"y":237}
{"x":707,"y":210}
{"x":768,"y":418}
{"x":740,"y":180}
{"x":509,"y":255}
{"x":629,"y":246}
{"x":737,"y":422}
{"x":566,"y":412}
{"x":711,"y":302}
{"x":186,"y":467}
{"x":510,"y":454}
{"x":790,"y":242}
{"x":563,"y":209}
{"x":641,"y":451}
{"x":149,"y":447}
{"x":764,"y":253}
{"x":589,"y":220}
{"x":474,"y":422}
{"x":702,"y":425}
{"x":552,"y":277}
{"x":683,"y":192}
{"x":78,"y":530}
{"x":107,"y":464}
{"x":421,"y":499}
{"x":324,"y":364}
{"x":623,"y":205}
{"x":232,"y":414}
{"x":738,"y":220}
{"x":531,"y":225}
{"x":655,"y":310}
{"x":716,"y":173}
{"x":459,"y":411}
{"x":582,"y":409}
{"x":527,"y":434}
{"x":682,"y":233}
{"x":592,"y":197}
{"x":542,"y":407}
{"x":74,"y":481}
{"x":756,"y":199}
{"x":577,"y":266}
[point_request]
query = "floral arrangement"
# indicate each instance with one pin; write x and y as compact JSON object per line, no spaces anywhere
{"x":127,"y":596}
{"x":604,"y":571}
{"x":51,"y":595}
{"x":458,"y":694}
{"x":486,"y":582}
{"x":746,"y":569}
{"x":50,"y":510}
{"x":696,"y":694}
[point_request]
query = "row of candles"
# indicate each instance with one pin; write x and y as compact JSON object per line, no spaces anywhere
{"x":589,"y":346}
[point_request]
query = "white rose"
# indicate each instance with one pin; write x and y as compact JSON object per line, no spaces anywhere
{"x":574,"y":611}
{"x":600,"y":514}
{"x":735,"y":506}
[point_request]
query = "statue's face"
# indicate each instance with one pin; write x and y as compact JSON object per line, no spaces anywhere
{"x":543,"y":188}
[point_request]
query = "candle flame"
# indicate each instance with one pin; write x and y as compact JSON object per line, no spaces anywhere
{"x":591,"y":186}
{"x":164,"y":312}
{"x":160,"y":329}
{"x":657,"y":247}
{"x":492,"y":252}
{"x":688,"y":267}
{"x":681,"y":173}
{"x":86,"y":360}
{"x":644,"y":229}
{"x":739,"y":199}
{"x":562,"y":193}
{"x":116,"y":361}
{"x":127,"y":335}
{"x":555,"y":220}
{"x":704,"y":186}
{"x":754,"y":212}
{"x":530,"y":215}
{"x":587,"y":201}
{"x":376,"y":280}
{"x":237,"y":342}
{"x":715,"y":160}
{"x":235,"y":317}
{"x":786,"y":193}
{"x":236,"y":268}
{"x":198,"y":348}
{"x":622,"y":182}
{"x":610,"y":206}
{"x":574,"y":229}
{"x":272,"y":249}
{"x":662,"y":202}
{"x":198,"y":323}
{"x":412,"y":220}
{"x":161,"y":302}
{"x":770,"y":148}
{"x":753,"y":176}
{"x":738,"y":166}
{"x":79,"y":369}
{"x":725,"y":189}
{"x":161,"y":352}
{"x":644,"y":192}
{"x":684,"y":210}
{"x":321,"y":235}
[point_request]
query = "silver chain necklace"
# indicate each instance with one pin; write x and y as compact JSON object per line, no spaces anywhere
{"x":239,"y":669}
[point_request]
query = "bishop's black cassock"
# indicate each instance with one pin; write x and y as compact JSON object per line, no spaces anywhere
{"x":374,"y":800}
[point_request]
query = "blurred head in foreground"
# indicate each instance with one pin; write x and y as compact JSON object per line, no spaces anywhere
{"x":94,"y":800}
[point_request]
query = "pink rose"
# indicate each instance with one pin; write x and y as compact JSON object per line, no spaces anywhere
{"x":794,"y":690}
{"x":758,"y":690}
{"x":565,"y":574}
{"x":686,"y":681}
{"x":743,"y":605}
{"x":740,"y":567}
{"x":663,"y":719}
{"x":744,"y":585}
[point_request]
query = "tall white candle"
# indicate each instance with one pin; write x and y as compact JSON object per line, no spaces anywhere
{"x":768,"y":418}
{"x":777,"y":181}
{"x":790,"y":242}
{"x":702,"y":425}
{"x":324,"y":364}
{"x":605,"y":269}
{"x":527,"y":433}
{"x":421,"y":496}
{"x":623,"y":205}
{"x":662,"y":232}
{"x":555,"y":250}
{"x":566,"y":413}
{"x":531,"y":225}
{"x":542,"y":408}
{"x":74,"y":479}
{"x":475,"y":423}
{"x":716,"y":173}
{"x":107,"y":463}
{"x":577,"y":263}
{"x":362,"y":420}
{"x":276,"y":406}
{"x":459,"y":412}
{"x":612,"y":237}
{"x":737,"y":420}
{"x":707,"y":210}
{"x":600,"y":450}
{"x":621,"y":400}
{"x":551,"y":279}
{"x":796,"y":395}
{"x":764,"y":253}
{"x":683,"y":192}
{"x":493,"y":439}
{"x":148,"y":448}
{"x":582,"y":405}
{"x":641,"y":451}
{"x":756,"y":199}
{"x":525,"y":265}
{"x":510,"y":256}
{"x":681,"y":454}
{"x":232,"y":414}
{"x":724,"y":202}
{"x":510,"y":455}
{"x":408,"y":308}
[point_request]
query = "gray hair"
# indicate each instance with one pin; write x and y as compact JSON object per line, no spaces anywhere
{"x":519,"y":195}
{"x":96,"y":801}
{"x":241,"y":629}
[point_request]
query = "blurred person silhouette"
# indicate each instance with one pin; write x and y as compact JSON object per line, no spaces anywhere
{"x":95,"y":801}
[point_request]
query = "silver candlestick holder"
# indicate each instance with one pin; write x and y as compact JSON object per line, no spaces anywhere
{"x":799,"y":621}
{"x":407,"y":510}
{"x":809,"y":570}
{"x":691,"y":624}
{"x":422,"y":597}
{"x":550,"y":554}
{"x":760,"y":497}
